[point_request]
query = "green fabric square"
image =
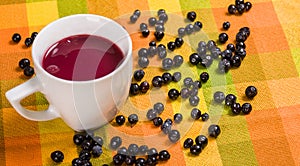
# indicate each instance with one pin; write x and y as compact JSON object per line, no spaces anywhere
{"x":194,"y":4}
{"x":67,"y":7}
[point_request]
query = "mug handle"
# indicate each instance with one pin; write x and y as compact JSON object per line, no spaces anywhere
{"x":21,"y":91}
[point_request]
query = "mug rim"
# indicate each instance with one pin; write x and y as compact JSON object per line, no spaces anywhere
{"x":119,"y":67}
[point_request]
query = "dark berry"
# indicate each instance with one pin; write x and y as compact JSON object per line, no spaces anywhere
{"x":176,"y":76}
{"x":188,"y":143}
{"x":87,"y":163}
{"x":226,"y":54}
{"x":230,"y":47}
{"x":152,"y":43}
{"x":159,"y":35}
{"x":152,"y":152}
{"x":115,"y":142}
{"x":198,"y":26}
{"x":134,"y":89}
{"x":77,"y":162}
{"x":237,"y":2}
{"x":241,"y":8}
{"x":189,"y":29}
{"x":195,"y":149}
{"x":133,"y":18}
{"x":174,"y":136}
{"x":204,"y":117}
{"x":140,"y":162}
{"x":181,"y":32}
{"x":201,"y":140}
{"x":143,"y":26}
{"x":177,"y":60}
{"x":201,"y":51}
{"x":16,"y":38}
{"x":214,"y":130}
{"x":145,"y":32}
{"x":206,"y":61}
{"x":133,"y":119}
{"x":195,"y":113}
{"x":240,"y":45}
{"x":130,"y":160}
{"x":123,"y":150}
{"x":241,"y":52}
{"x":133,"y":149}
{"x":28,"y":42}
{"x":224,"y":65}
{"x":168,"y":120}
{"x":33,"y":35}
{"x":120,"y":120}
{"x":152,"y":51}
{"x":85,"y":155}
{"x":236,"y":61}
{"x":161,"y":11}
{"x":251,"y":92}
{"x":157,"y":81}
{"x":211,"y":44}
{"x":143,"y":52}
{"x":151,"y":114}
{"x":167,"y":63}
{"x":230,"y":99}
{"x":144,"y":86}
{"x":232,"y":9}
{"x":28,"y":71}
{"x":191,"y":16}
{"x":151,"y":161}
{"x":157,"y":121}
{"x":97,"y":141}
{"x":159,"y":27}
{"x":223,"y":37}
{"x":87,"y":145}
{"x":241,"y":37}
{"x":97,"y":151}
{"x":171,"y":46}
{"x":226,"y":25}
{"x":152,"y":21}
{"x":163,"y":17}
{"x":178,"y":117}
{"x":188,"y":82}
{"x":197,"y":84}
{"x":78,"y":139}
{"x":219,"y":97}
{"x":137,"y":12}
{"x":167,"y":77}
{"x":245,"y":30}
{"x":204,"y":76}
{"x":143,"y":62}
{"x":143,"y":149}
{"x":118,"y":159}
{"x":248,"y":6}
{"x":57,"y":156}
{"x":194,"y":58}
{"x":164,"y":155}
{"x":246,"y":108}
{"x":24,"y":63}
{"x":236,"y":108}
{"x":138,"y":75}
{"x":159,"y":107}
{"x":173,"y":94}
{"x":179,"y":42}
{"x":166,"y":127}
{"x":215,"y":53}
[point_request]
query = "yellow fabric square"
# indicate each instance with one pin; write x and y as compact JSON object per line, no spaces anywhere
{"x":42,"y":13}
{"x":169,"y":7}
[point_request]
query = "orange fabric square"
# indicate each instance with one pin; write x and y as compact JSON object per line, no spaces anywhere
{"x":269,"y":39}
{"x":13,"y":16}
{"x":128,"y":7}
{"x":285,"y":92}
{"x":6,"y":2}
{"x":9,"y":46}
{"x":278,"y":65}
{"x":23,"y":149}
{"x":263,"y":99}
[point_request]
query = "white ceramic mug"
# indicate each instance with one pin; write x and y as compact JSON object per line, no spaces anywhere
{"x":82,"y":105}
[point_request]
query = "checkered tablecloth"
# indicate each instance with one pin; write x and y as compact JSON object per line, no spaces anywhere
{"x":270,"y":135}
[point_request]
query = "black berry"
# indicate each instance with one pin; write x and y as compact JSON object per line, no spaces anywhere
{"x":178,"y":117}
{"x":230,"y":99}
{"x":246,"y":108}
{"x":164,"y":155}
{"x":151,"y":114}
{"x":204,"y":76}
{"x":194,"y":58}
{"x":28,"y":71}
{"x":251,"y":92}
{"x":134,"y":89}
{"x":97,"y":151}
{"x":173,"y":94}
{"x":188,"y":143}
{"x":145,"y":32}
{"x":138,"y":75}
{"x":115,"y":142}
{"x":157,"y":81}
{"x":195,"y":149}
{"x":167,"y":77}
{"x":28,"y":42}
{"x":201,"y":140}
{"x":78,"y":139}
{"x":219,"y":97}
{"x":174,"y":136}
{"x":144,"y":86}
{"x":236,"y":108}
{"x":159,"y":35}
{"x":24,"y":63}
{"x":171,"y":46}
{"x":179,"y":42}
{"x":204,"y":117}
{"x":214,"y":130}
{"x":195,"y":113}
{"x":157,"y":121}
{"x":57,"y":156}
{"x":223,"y":37}
{"x":16,"y":38}
{"x":33,"y":35}
{"x":248,"y":6}
{"x":191,"y":16}
{"x":120,"y":120}
{"x":232,"y":9}
{"x":226,"y":25}
{"x":133,"y":119}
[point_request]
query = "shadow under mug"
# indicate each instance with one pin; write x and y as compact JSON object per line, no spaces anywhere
{"x":82,"y":105}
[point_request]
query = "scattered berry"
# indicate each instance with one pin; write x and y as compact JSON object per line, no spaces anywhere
{"x":144,"y":87}
{"x":133,"y":119}
{"x":120,"y":120}
{"x":195,"y":113}
{"x":251,"y":92}
{"x":204,"y":76}
{"x":223,"y":37}
{"x":24,"y":63}
{"x":214,"y":130}
{"x":28,"y":71}
{"x":138,"y":75}
{"x":246,"y":108}
{"x":195,"y":149}
{"x":134,"y":89}
{"x":115,"y":142}
{"x":173,"y":94}
{"x":174,"y":136}
{"x":157,"y":121}
{"x":157,"y":81}
{"x":188,"y":143}
{"x":16,"y":37}
{"x":191,"y":16}
{"x":178,"y":117}
{"x":226,"y":25}
{"x":28,"y":42}
{"x":219,"y":97}
{"x":204,"y":117}
{"x":57,"y":156}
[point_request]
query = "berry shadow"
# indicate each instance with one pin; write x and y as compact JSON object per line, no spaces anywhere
{"x":12,"y":43}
